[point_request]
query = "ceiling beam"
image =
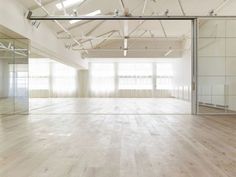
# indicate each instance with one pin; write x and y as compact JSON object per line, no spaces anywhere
{"x":50,"y":2}
{"x":101,"y":35}
{"x":98,"y":45}
{"x":122,"y":4}
{"x":163,"y":28}
{"x":91,"y":31}
{"x":43,"y":4}
{"x":88,"y":38}
{"x":75,"y":26}
{"x":133,"y":49}
{"x":63,"y":7}
{"x":133,"y":42}
{"x":181,"y":7}
{"x":144,"y":7}
{"x":58,"y":24}
{"x":140,"y":24}
{"x":221,"y":5}
{"x":80,"y":24}
{"x":177,"y":17}
{"x":94,"y":28}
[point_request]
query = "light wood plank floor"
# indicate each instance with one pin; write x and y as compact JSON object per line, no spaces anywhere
{"x":110,"y":106}
{"x":80,"y":145}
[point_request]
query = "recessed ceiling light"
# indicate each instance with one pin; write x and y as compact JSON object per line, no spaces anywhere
{"x":68,"y":3}
{"x":96,"y":12}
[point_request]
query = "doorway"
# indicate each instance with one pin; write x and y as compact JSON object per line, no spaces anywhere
{"x":148,"y":70}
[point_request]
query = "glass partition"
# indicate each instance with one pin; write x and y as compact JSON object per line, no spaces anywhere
{"x":217,"y":66}
{"x":13,"y":76}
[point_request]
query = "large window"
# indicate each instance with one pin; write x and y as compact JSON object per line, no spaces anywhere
{"x":102,"y":78}
{"x":64,"y":79}
{"x":135,"y":76}
{"x":39,"y":71}
{"x":131,"y":79}
{"x":51,"y":79}
{"x":164,"y":76}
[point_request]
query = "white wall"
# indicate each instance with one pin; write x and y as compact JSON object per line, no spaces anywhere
{"x":42,"y":39}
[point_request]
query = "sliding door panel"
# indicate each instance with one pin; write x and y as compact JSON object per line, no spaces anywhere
{"x":216,"y":65}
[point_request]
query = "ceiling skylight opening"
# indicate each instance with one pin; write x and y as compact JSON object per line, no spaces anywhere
{"x":68,"y":3}
{"x":96,"y":12}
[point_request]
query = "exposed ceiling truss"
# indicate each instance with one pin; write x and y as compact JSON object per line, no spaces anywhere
{"x":130,"y":34}
{"x":12,"y":49}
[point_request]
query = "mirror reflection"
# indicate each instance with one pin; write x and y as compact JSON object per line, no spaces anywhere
{"x":13,"y":76}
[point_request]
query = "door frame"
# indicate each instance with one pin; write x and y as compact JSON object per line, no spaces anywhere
{"x":194,"y":39}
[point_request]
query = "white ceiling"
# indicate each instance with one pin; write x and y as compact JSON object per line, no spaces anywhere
{"x":149,"y":31}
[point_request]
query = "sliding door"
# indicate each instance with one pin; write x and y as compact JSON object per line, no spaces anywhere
{"x":216,"y":66}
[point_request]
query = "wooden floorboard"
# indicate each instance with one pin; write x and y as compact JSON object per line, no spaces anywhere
{"x":75,"y":145}
{"x":110,"y":106}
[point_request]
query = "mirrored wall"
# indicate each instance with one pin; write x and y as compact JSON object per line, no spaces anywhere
{"x":217,"y":66}
{"x":14,"y":76}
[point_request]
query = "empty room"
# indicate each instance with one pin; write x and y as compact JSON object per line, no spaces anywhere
{"x":117,"y":88}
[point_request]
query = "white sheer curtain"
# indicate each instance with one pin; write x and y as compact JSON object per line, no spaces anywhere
{"x":51,"y":79}
{"x":64,"y":80}
{"x":130,"y":79}
{"x":164,"y":76}
{"x":39,"y":77}
{"x":102,"y":79}
{"x":135,"y":79}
